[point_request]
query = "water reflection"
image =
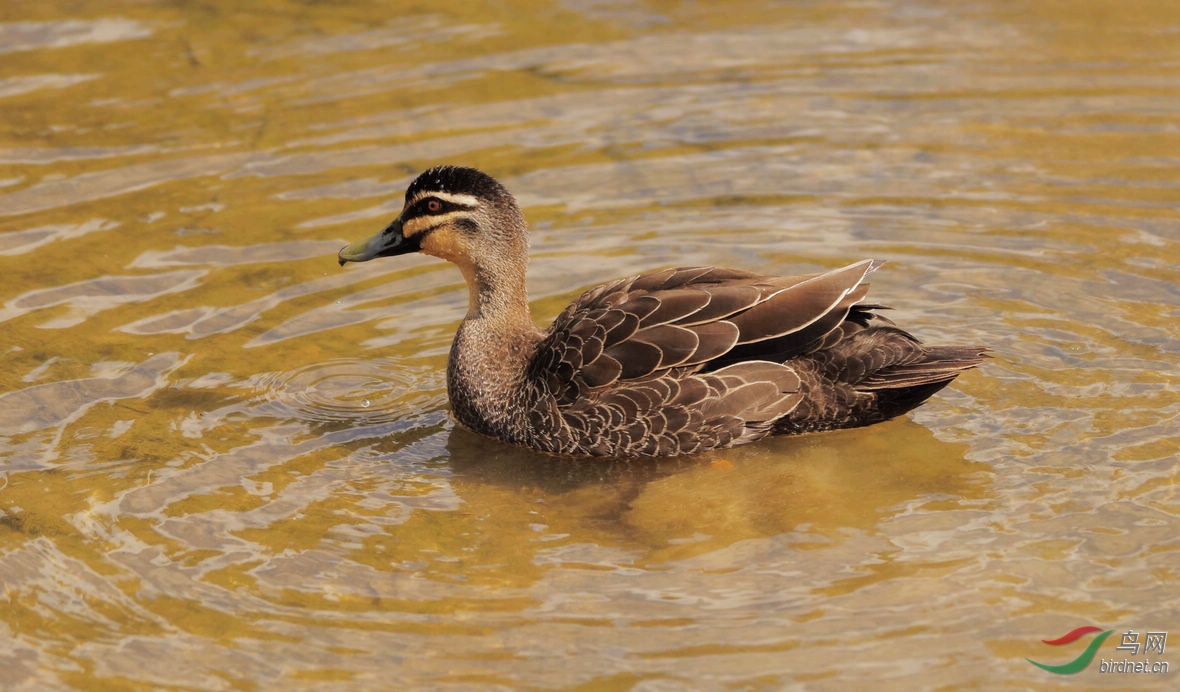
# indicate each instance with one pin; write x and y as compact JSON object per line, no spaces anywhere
{"x":817,"y":486}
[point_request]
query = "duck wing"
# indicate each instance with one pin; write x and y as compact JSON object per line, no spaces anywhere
{"x":710,"y":340}
{"x":702,"y":318}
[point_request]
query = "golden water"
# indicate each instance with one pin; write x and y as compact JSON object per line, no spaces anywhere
{"x":227,"y":463}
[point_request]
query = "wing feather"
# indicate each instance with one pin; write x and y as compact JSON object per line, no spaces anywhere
{"x":676,"y":305}
{"x":797,"y":306}
{"x":676,"y":344}
{"x":714,"y":339}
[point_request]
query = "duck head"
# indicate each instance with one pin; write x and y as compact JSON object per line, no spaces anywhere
{"x":457,"y":214}
{"x":464,"y":216}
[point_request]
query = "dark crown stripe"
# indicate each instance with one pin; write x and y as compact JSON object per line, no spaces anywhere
{"x":457,"y":180}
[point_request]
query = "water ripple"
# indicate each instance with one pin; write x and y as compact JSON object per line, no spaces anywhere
{"x":353,"y":390}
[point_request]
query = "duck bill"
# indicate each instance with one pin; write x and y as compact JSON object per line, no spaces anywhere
{"x":389,"y":242}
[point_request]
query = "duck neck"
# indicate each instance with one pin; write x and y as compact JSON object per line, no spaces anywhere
{"x":498,"y":297}
{"x":492,"y":349}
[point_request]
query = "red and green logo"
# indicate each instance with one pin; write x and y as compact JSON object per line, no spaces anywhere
{"x":1083,"y":659}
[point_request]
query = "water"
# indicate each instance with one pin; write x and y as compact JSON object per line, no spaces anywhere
{"x":225,"y":462}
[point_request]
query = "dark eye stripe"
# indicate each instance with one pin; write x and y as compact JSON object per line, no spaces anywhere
{"x":419,"y":208}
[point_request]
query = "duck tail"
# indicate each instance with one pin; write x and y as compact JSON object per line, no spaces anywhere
{"x":872,"y":375}
{"x":903,"y":386}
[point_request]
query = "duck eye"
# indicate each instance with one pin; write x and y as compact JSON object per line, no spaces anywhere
{"x":433,"y":206}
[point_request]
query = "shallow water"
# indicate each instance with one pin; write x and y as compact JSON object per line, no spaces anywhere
{"x":227,"y":463}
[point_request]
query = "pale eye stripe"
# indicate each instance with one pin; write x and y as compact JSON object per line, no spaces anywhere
{"x":469,"y":201}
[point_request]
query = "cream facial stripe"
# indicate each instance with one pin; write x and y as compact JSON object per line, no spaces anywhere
{"x":421,"y":224}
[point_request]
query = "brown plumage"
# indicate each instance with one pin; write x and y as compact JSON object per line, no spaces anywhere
{"x":672,"y":362}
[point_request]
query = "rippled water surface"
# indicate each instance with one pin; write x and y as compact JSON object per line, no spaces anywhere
{"x":225,"y":462}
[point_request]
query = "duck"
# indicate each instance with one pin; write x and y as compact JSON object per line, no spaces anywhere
{"x":672,"y":362}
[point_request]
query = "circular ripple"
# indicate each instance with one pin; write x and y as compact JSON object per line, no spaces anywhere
{"x":353,"y":390}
